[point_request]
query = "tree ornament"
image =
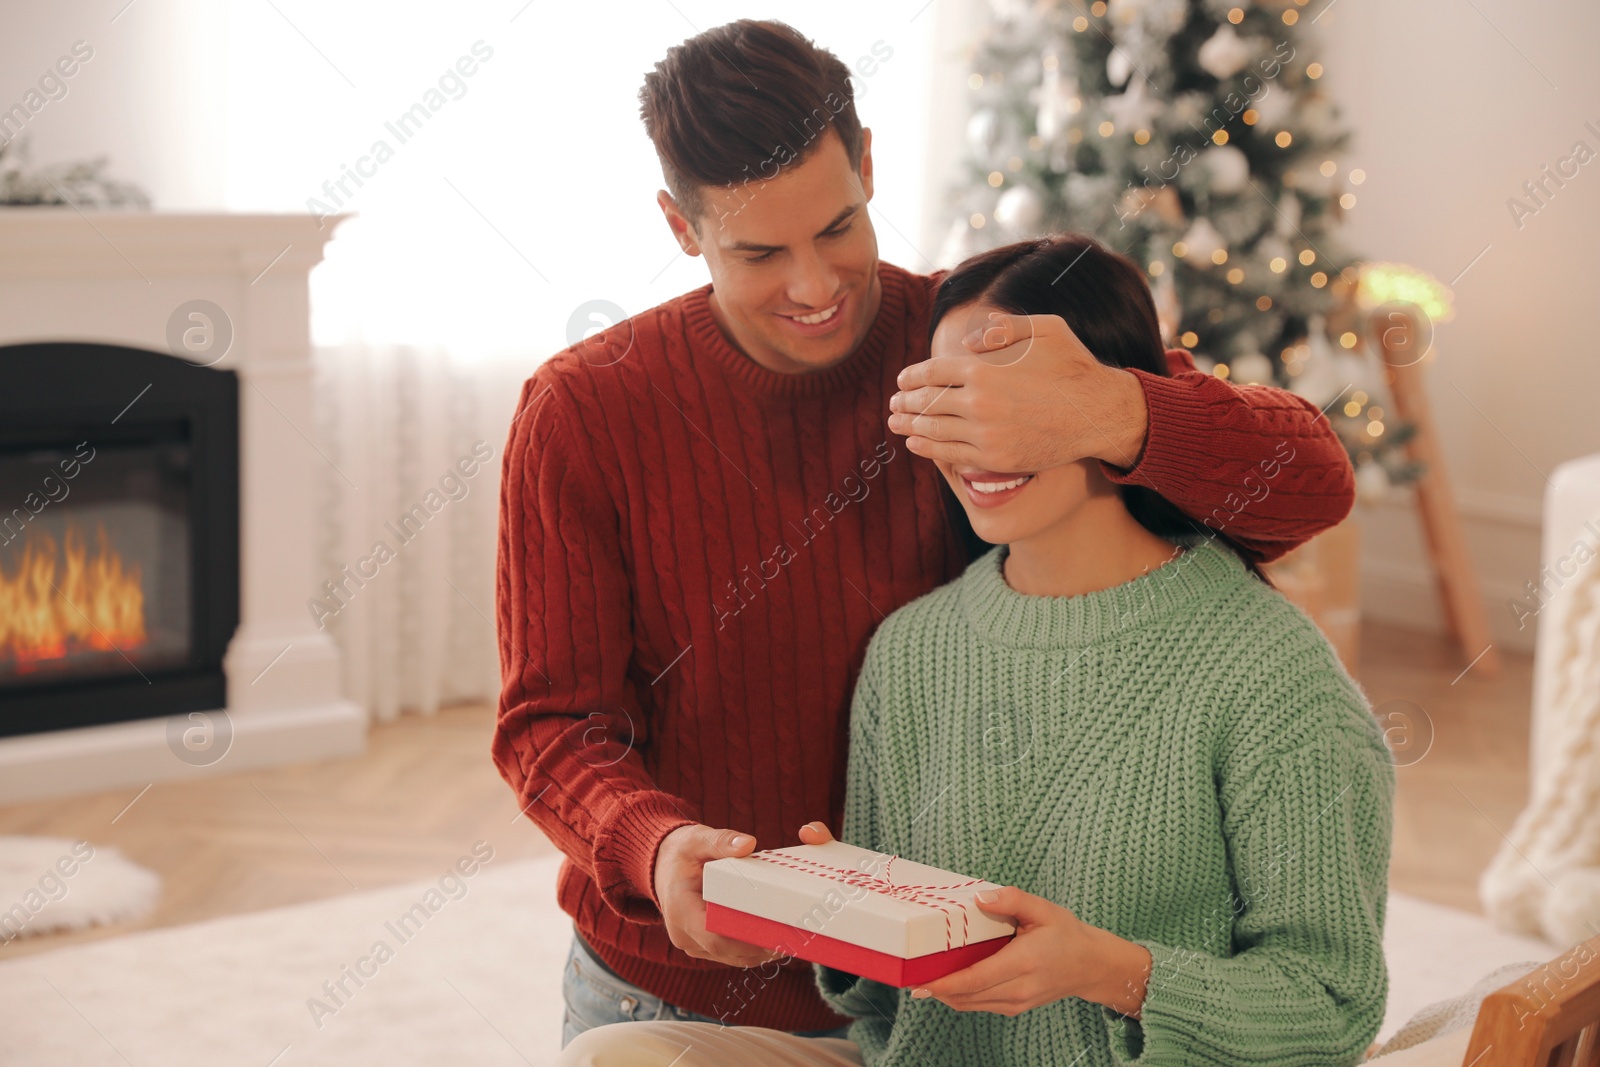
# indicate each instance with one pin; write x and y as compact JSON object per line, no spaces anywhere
{"x":1118,"y":67}
{"x":1251,"y":368}
{"x":1225,"y":54}
{"x":1273,"y":107}
{"x":1229,"y":169}
{"x":1201,"y":243}
{"x":1132,"y":110}
{"x":983,"y":133}
{"x":1019,"y":209}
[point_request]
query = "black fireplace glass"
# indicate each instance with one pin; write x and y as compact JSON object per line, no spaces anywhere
{"x":119,"y":535}
{"x":97,"y":580}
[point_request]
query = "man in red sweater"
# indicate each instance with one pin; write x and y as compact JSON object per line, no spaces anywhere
{"x":704,"y":517}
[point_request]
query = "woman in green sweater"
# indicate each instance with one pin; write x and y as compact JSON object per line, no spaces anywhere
{"x":1185,"y":794}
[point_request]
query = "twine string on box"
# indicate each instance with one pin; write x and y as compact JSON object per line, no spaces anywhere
{"x":929,"y":896}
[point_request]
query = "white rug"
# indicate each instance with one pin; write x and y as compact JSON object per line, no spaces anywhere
{"x":50,"y":883}
{"x":479,"y":982}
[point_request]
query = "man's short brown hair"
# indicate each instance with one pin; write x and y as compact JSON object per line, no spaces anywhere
{"x":739,"y":102}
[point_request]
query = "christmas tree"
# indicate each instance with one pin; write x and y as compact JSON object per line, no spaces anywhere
{"x":1192,"y":136}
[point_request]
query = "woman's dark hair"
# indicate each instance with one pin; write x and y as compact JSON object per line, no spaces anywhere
{"x":1103,"y":296}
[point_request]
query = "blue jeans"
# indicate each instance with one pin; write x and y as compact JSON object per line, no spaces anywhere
{"x":596,"y":996}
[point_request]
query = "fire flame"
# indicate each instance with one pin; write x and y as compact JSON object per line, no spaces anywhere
{"x":60,"y":600}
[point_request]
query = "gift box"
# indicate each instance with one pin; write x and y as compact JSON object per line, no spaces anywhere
{"x":867,"y":913}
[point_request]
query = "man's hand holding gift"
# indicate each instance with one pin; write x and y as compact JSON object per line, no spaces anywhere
{"x":1054,"y":955}
{"x":679,"y":882}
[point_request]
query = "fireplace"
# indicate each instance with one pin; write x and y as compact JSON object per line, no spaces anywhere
{"x":119,"y":535}
{"x":200,"y":469}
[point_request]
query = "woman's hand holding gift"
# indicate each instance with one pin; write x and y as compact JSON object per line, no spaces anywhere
{"x":1054,"y":955}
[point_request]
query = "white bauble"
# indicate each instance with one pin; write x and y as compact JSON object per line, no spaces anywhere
{"x":1118,"y":67}
{"x":983,"y":133}
{"x":1274,"y":107}
{"x":1272,"y":247}
{"x":1229,"y":169}
{"x":1019,"y":209}
{"x":1201,"y":242}
{"x":1011,"y":10}
{"x":1251,"y":368}
{"x":1372,"y":482}
{"x":1225,"y":54}
{"x":1132,"y":110}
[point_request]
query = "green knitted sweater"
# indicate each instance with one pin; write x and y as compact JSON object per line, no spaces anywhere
{"x":1180,"y":760}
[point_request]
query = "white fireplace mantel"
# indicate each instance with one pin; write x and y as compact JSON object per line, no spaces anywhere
{"x":117,"y":278}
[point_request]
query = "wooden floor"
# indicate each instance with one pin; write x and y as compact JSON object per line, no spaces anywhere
{"x":425,"y":791}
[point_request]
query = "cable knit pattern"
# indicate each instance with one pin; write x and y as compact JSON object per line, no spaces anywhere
{"x":694,"y":551}
{"x":1180,"y":760}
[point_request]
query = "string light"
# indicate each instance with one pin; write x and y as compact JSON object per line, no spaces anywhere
{"x":1235,"y":276}
{"x":1314,"y":70}
{"x":1348,"y":339}
{"x":1156,"y":268}
{"x":1080,"y":24}
{"x":996,"y":179}
{"x":1291,"y":17}
{"x":1098,"y":8}
{"x":1220,"y":256}
{"x":1236,"y":15}
{"x":1251,"y":116}
{"x":1141,"y":137}
{"x":1278,"y":265}
{"x":1074,"y":135}
{"x":1382,"y":283}
{"x":1318,"y":280}
{"x":1375,"y":428}
{"x":1357,"y":176}
{"x":1284,"y":138}
{"x":977,"y":221}
{"x":1220,"y":137}
{"x":1347,"y":201}
{"x":1360,"y":397}
{"x":1074,"y":105}
{"x":1106,"y":129}
{"x":1189,"y":339}
{"x":1307,"y":257}
{"x":1352,"y":409}
{"x":1014,"y":163}
{"x":1329,"y":168}
{"x":1180,"y":249}
{"x":974,"y":81}
{"x":1264,"y":303}
{"x":1220,"y":370}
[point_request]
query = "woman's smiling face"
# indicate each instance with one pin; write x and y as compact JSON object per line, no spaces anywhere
{"x":1006,"y":507}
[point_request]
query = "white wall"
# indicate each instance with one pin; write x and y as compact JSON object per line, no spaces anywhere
{"x":151,"y":97}
{"x":1455,"y":104}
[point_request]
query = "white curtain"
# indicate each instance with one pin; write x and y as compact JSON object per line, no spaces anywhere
{"x":413,"y":444}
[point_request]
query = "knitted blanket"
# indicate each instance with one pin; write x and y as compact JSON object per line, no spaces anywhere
{"x":1546,"y":878}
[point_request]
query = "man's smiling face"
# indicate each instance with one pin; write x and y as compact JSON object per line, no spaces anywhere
{"x":793,"y":261}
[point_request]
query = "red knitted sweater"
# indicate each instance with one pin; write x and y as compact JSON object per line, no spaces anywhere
{"x":694,"y":551}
